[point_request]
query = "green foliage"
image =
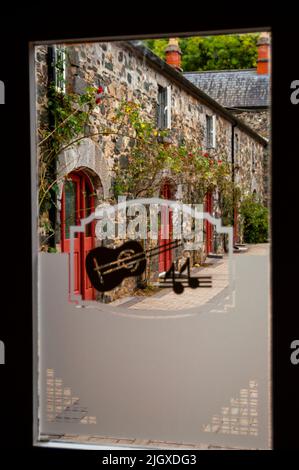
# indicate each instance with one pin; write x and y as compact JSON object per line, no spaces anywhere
{"x":158,"y":46}
{"x":52,"y":249}
{"x":149,"y":151}
{"x":70,"y":113}
{"x":147,"y":157}
{"x":68,"y":117}
{"x":152,"y":152}
{"x":255,"y":220}
{"x":223,"y":52}
{"x":229,"y":198}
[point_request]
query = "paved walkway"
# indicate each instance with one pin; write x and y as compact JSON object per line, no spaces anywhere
{"x":259,"y":249}
{"x":167,"y":299}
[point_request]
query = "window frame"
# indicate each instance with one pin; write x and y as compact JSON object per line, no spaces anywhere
{"x":60,"y":82}
{"x":211,"y":131}
{"x":164,"y":107}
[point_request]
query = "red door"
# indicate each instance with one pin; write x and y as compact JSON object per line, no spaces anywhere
{"x":209,"y":227}
{"x":166,"y":258}
{"x":77,"y":203}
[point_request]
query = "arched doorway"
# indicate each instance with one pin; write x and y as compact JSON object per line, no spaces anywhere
{"x":166,"y":258}
{"x":77,"y":203}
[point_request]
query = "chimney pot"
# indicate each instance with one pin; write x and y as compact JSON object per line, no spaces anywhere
{"x":173,"y":54}
{"x":263,"y":60}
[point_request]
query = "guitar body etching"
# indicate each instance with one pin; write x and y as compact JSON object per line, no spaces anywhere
{"x":108,"y":267}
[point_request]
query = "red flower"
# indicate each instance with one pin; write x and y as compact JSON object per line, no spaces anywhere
{"x":219,"y":162}
{"x":206,"y":154}
{"x":100,"y":90}
{"x":98,"y":100}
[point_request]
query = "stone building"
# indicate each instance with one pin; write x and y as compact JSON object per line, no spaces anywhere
{"x":128,"y":71}
{"x":246,"y":94}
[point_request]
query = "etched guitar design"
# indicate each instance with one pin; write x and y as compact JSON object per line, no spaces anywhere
{"x":108,"y":267}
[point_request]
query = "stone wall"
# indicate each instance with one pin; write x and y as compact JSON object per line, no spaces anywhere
{"x":249,"y":165}
{"x":126,"y":76}
{"x":260,"y":121}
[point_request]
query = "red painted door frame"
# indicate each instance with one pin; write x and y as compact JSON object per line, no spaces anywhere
{"x":70,"y":216}
{"x":84,"y":242}
{"x":166,"y":258}
{"x":87,"y":238}
{"x":209,"y":227}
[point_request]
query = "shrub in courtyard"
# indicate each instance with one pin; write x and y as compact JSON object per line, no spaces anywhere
{"x":255,"y":221}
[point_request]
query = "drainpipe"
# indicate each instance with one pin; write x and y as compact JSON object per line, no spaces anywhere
{"x":233,"y":168}
{"x":233,"y":151}
{"x":52,"y":166}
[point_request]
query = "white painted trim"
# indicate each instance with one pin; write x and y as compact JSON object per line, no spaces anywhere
{"x":62,"y":52}
{"x":214,"y":130}
{"x":168,"y":107}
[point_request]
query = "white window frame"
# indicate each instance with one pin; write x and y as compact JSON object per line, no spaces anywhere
{"x":214,"y":122}
{"x":168,"y":107}
{"x":211,"y":143}
{"x":60,"y":87}
{"x":164,"y":117}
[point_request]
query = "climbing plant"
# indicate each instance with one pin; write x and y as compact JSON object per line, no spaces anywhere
{"x":68,"y":116}
{"x":151,"y":152}
{"x":148,"y":152}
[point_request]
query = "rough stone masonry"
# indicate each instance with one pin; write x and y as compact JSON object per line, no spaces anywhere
{"x":129,"y":72}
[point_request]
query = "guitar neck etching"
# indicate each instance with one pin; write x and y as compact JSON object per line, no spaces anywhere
{"x":108,"y":267}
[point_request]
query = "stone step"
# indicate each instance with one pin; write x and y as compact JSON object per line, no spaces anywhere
{"x":240,"y":249}
{"x":215,"y":255}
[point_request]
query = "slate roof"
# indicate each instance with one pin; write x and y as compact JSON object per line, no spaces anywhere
{"x":177,"y":77}
{"x":234,"y":88}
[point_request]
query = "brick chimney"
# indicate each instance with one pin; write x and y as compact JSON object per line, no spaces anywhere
{"x":263,"y":60}
{"x":173,"y":54}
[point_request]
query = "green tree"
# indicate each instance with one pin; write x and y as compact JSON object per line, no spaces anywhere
{"x":232,"y":51}
{"x":255,"y":220}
